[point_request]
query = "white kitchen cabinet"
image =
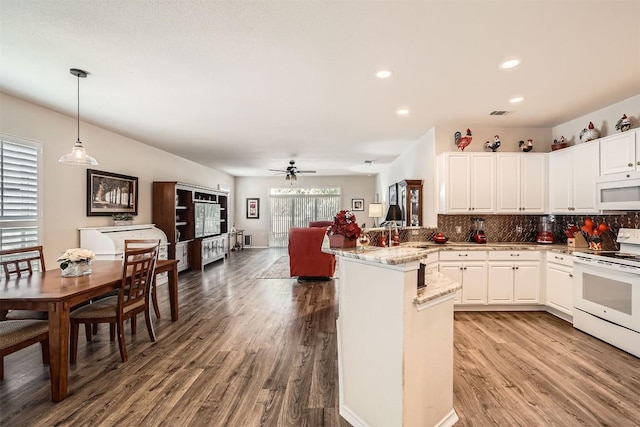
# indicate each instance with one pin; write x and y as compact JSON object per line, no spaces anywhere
{"x":467,"y":183}
{"x":521,"y":180}
{"x":572,"y":179}
{"x":620,"y":153}
{"x":469,"y":268}
{"x":559,"y":282}
{"x":513,"y":277}
{"x":182,"y":255}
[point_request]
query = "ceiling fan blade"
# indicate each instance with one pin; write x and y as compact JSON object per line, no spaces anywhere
{"x":277,"y":170}
{"x":305,"y":171}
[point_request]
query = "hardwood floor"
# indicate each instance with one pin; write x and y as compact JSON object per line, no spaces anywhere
{"x":262,"y":352}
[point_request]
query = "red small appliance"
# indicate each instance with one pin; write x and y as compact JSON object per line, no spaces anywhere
{"x":477,"y":231}
{"x":545,"y":230}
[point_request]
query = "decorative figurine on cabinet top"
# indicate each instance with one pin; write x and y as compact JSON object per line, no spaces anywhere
{"x":462,"y":141}
{"x":526,"y":146}
{"x":589,"y":134}
{"x":558,"y":144}
{"x":623,"y":124}
{"x":493,"y":146}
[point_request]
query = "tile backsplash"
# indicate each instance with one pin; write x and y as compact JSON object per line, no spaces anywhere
{"x":524,"y":228}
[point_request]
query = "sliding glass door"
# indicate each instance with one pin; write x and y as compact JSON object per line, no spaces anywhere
{"x":295,"y":207}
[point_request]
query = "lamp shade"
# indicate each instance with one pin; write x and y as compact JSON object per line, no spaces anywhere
{"x":394,"y":213}
{"x":375,"y":210}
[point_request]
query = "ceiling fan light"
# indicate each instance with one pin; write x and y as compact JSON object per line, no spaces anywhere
{"x":294,"y":177}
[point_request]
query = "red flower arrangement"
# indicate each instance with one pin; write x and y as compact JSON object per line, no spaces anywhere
{"x":345,"y":223}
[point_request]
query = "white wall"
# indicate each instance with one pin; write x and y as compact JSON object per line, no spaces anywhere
{"x":64,"y":201}
{"x":604,"y":120}
{"x":353,"y":187}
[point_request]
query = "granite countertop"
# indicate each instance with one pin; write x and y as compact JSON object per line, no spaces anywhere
{"x":413,"y":251}
{"x":438,"y":285}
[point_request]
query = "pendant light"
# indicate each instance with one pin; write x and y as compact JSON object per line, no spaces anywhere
{"x":78,"y":155}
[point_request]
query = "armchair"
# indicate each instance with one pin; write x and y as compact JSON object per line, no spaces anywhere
{"x":306,"y":259}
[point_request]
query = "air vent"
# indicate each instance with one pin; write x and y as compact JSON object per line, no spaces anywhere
{"x":499,"y":113}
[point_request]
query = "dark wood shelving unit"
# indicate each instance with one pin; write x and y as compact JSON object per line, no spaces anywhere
{"x":174,"y":212}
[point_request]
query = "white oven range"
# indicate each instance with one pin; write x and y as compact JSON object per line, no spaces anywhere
{"x":606,"y":293}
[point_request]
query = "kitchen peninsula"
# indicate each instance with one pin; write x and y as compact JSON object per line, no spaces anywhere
{"x":395,"y":341}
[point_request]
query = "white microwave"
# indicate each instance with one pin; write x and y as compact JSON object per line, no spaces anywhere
{"x":618,"y":192}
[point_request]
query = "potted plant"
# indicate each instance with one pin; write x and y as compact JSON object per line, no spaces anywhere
{"x":344,"y":231}
{"x":122,"y":219}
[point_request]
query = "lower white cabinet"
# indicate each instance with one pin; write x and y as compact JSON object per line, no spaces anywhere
{"x":469,"y":268}
{"x":514,"y":277}
{"x":213,"y":249}
{"x":182,"y":255}
{"x":559,"y":283}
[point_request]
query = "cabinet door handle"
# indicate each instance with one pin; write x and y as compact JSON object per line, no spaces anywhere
{"x":570,"y":275}
{"x":515,"y":254}
{"x":558,"y":257}
{"x":517,"y":268}
{"x":464,"y":268}
{"x":463,"y":254}
{"x":630,"y":164}
{"x":638,"y":163}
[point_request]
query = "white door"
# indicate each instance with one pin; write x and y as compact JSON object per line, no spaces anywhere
{"x":618,"y":153}
{"x":533,"y":183}
{"x":527,"y":283}
{"x":483,"y":184}
{"x":500,"y":285}
{"x":458,"y":183}
{"x":586,"y":166}
{"x":508,"y":183}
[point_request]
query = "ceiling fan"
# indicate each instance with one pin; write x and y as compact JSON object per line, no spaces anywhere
{"x":291,"y":172}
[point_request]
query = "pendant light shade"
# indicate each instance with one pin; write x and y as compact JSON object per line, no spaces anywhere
{"x":78,"y":155}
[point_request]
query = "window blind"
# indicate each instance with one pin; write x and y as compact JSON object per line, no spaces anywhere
{"x":20,"y":192}
{"x":297,"y":208}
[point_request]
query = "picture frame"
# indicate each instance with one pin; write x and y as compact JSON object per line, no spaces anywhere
{"x":393,"y":194}
{"x":111,"y":193}
{"x":357,"y":204}
{"x":253,"y":208}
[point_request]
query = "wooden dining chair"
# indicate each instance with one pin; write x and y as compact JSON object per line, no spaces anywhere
{"x":138,"y":271}
{"x":19,"y":262}
{"x":146,"y":243}
{"x":18,"y":334}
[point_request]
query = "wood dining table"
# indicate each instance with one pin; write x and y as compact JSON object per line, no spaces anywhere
{"x":49,"y":291}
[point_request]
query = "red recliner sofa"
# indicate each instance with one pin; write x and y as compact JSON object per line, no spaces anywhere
{"x":306,"y":259}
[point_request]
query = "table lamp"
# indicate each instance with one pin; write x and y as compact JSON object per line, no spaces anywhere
{"x":376,"y":210}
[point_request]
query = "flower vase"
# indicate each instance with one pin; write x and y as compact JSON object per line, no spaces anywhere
{"x":76,"y":269}
{"x":341,"y":241}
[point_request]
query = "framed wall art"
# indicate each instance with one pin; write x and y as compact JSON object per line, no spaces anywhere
{"x":253,"y":208}
{"x":393,"y":194}
{"x":111,"y":193}
{"x":357,"y":204}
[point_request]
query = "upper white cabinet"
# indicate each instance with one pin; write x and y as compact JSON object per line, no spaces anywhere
{"x":467,"y":183}
{"x":572,"y":177}
{"x":620,"y":153}
{"x":521,"y":183}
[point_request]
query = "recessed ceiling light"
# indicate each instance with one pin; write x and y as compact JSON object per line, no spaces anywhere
{"x":403,"y":111}
{"x":516,"y":99}
{"x":383,"y":74}
{"x":510,"y":63}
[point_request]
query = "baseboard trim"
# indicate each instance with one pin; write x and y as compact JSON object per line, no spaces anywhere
{"x":449,"y":420}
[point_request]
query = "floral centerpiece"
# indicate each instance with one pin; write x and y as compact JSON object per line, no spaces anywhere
{"x":344,"y":231}
{"x":76,"y":262}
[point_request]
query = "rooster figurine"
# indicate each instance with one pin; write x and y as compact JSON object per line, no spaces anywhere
{"x":623,"y":124}
{"x":526,"y":146}
{"x":589,"y":134}
{"x":463,"y":141}
{"x":493,"y":146}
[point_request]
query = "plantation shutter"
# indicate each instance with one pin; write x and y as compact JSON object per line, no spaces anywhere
{"x":19,"y":188}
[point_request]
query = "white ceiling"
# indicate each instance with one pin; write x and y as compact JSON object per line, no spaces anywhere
{"x":245,"y":86}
